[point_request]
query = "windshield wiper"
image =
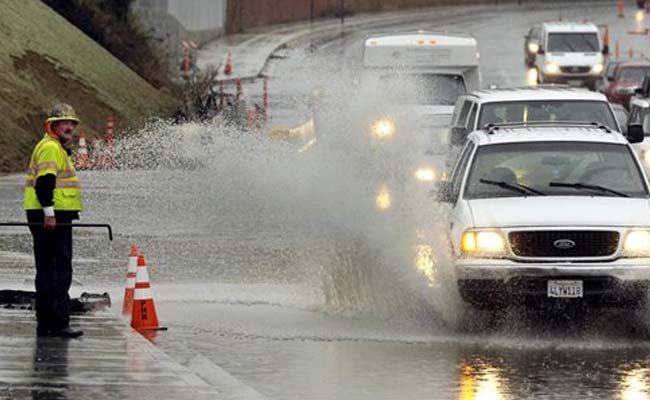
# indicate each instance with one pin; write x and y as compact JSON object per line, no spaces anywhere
{"x":516,"y":187}
{"x":579,"y":185}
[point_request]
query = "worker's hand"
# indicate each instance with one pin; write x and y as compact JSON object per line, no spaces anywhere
{"x":49,"y":223}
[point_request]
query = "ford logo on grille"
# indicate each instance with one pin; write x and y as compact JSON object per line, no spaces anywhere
{"x":564,"y":244}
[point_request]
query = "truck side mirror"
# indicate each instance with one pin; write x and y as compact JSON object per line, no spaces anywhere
{"x":605,"y":50}
{"x":635,"y":133}
{"x":458,"y":135}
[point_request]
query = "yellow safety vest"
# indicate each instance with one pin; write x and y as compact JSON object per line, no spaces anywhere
{"x":49,"y":157}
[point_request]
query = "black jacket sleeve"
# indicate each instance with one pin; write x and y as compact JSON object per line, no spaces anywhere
{"x":45,"y":189}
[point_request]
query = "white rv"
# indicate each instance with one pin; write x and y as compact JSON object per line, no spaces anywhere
{"x":410,"y":82}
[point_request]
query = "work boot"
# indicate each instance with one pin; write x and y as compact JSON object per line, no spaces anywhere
{"x":66,"y":333}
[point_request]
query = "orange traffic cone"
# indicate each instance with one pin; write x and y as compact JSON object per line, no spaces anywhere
{"x":127,"y":306}
{"x":144,"y":315}
{"x":82,"y":154}
{"x":227,"y":69}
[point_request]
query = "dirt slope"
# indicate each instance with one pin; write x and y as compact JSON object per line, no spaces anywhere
{"x":43,"y":60}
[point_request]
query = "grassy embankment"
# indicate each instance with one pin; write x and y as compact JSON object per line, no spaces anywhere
{"x":44,"y":60}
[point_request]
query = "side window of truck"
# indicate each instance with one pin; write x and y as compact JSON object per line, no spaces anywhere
{"x":471,"y":121}
{"x":461,"y":167}
{"x":462,"y":115}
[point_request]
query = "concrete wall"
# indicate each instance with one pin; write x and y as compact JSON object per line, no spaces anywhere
{"x":246,"y":14}
{"x":174,"y":21}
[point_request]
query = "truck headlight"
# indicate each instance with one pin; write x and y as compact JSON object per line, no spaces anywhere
{"x":425,"y":174}
{"x":552,"y":68}
{"x":637,"y":244}
{"x":383,"y":128}
{"x":533,"y":48}
{"x":483,"y":243}
{"x":597,"y":69}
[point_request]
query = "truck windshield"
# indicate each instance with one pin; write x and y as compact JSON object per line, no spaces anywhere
{"x":573,"y":42}
{"x":554,"y":169}
{"x":547,"y":111}
{"x":422,"y":88}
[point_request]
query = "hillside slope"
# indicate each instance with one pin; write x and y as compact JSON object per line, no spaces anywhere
{"x":44,"y":60}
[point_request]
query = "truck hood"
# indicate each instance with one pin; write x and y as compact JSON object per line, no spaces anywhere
{"x":560,"y":211}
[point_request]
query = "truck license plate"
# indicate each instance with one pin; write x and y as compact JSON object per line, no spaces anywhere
{"x":574,"y":82}
{"x":565,"y":289}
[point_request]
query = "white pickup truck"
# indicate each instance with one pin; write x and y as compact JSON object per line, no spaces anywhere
{"x":549,"y":212}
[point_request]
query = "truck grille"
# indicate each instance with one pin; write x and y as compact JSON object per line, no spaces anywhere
{"x":575,"y":70}
{"x":564,"y":243}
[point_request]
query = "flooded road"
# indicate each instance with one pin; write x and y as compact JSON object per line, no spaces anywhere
{"x":276,"y":265}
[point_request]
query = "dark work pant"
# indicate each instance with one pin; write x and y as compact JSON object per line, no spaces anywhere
{"x":53,"y":256}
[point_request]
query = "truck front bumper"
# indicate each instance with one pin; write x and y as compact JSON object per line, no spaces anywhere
{"x":487,"y":283}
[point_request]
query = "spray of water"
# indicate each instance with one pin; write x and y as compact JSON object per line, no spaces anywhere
{"x":219,"y":187}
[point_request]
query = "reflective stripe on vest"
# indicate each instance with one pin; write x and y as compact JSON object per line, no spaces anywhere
{"x":67,"y":192}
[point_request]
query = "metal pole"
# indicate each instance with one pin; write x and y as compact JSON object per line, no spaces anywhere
{"x":107,"y":226}
{"x":342,"y":12}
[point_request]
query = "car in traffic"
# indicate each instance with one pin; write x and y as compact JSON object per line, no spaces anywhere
{"x":549,"y":212}
{"x":570,"y":53}
{"x":532,"y":41}
{"x":608,"y":76}
{"x":480,"y":108}
{"x":627,"y":77}
{"x":640,"y":115}
{"x":409,"y":82}
{"x":419,"y":75}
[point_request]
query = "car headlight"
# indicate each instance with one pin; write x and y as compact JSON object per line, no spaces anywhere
{"x":552,"y":68}
{"x":383,"y":128}
{"x":486,"y":243}
{"x":533,"y":48}
{"x":425,"y":174}
{"x":637,"y":244}
{"x":597,"y":69}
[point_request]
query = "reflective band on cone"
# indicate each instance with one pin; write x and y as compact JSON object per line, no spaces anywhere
{"x":127,"y":305}
{"x":144,"y":315}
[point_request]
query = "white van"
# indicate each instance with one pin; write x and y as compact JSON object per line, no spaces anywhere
{"x":570,"y":53}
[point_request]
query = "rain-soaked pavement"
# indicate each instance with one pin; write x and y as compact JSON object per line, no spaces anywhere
{"x":275,"y":265}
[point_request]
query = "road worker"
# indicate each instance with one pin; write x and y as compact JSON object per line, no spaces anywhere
{"x":52,"y":201}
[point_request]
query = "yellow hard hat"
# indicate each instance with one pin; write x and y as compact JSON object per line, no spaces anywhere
{"x":62,"y":112}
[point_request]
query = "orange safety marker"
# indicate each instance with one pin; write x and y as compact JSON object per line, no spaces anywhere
{"x":83,"y":161}
{"x":620,"y":8}
{"x":144,"y":315}
{"x":238,"y":87}
{"x":227,"y":69}
{"x":110,"y":124}
{"x":127,"y":305}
